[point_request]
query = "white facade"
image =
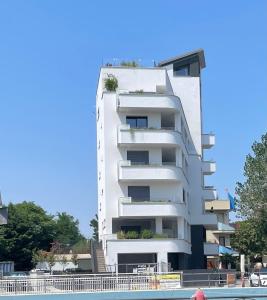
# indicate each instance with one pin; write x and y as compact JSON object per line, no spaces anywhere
{"x":169,"y":106}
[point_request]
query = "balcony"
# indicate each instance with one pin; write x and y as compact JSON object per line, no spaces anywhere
{"x":147,"y":102}
{"x":209,"y":193}
{"x":148,"y":136}
{"x":217,"y":205}
{"x":208,"y":140}
{"x":208,"y":167}
{"x":152,"y":208}
{"x":152,"y":172}
{"x":148,"y":245}
{"x":211,"y":249}
{"x":224,"y":228}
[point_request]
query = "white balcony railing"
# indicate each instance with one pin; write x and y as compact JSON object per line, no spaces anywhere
{"x":141,"y":101}
{"x":152,"y":208}
{"x":208,"y":167}
{"x":149,"y":245}
{"x":149,"y":136}
{"x":211,"y":249}
{"x":152,"y":172}
{"x":208,"y":140}
{"x":209,"y":193}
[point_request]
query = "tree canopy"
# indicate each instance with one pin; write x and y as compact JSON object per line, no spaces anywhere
{"x":30,"y":228}
{"x":94,"y":225}
{"x":251,"y":234}
{"x":67,"y":229}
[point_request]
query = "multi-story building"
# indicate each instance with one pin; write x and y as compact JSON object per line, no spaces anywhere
{"x":218,"y":240}
{"x":151,"y":192}
{"x":3,"y":212}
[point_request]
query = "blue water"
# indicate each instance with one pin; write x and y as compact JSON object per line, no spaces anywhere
{"x":143,"y":295}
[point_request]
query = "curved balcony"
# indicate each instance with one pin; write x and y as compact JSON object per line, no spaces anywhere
{"x":147,"y":101}
{"x":208,"y":140}
{"x":129,"y":208}
{"x":148,"y":136}
{"x":208,"y":167}
{"x":148,"y":245}
{"x":152,"y":172}
{"x":209,"y":193}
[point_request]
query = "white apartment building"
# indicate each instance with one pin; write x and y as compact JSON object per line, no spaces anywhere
{"x":151,"y":191}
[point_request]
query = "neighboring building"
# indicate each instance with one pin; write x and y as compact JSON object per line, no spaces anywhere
{"x":151,"y":190}
{"x":64,"y":262}
{"x":218,"y":241}
{"x":3,"y":213}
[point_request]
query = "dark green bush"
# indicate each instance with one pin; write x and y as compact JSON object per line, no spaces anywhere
{"x":111,"y":84}
{"x":133,"y":64}
{"x":132,"y":235}
{"x":146,"y":234}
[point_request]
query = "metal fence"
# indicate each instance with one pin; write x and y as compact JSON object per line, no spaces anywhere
{"x":67,"y":284}
{"x":119,"y":282}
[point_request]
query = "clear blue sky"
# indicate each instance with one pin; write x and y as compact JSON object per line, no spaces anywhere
{"x":50,"y":54}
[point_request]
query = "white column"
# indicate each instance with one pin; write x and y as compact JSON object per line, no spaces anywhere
{"x":159,"y":225}
{"x":163,"y":261}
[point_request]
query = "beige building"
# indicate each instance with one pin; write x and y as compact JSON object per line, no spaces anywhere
{"x":218,"y":241}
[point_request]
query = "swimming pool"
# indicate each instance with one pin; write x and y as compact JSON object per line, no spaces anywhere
{"x":212,"y":293}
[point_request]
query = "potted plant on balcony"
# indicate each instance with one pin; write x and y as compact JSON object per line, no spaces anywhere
{"x":132,"y":235}
{"x":146,"y":234}
{"x":132,"y":64}
{"x":111,"y":84}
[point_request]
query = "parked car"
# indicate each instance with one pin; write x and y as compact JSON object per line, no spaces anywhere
{"x":258,"y":277}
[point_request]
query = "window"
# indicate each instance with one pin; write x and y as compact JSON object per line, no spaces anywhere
{"x":181,"y":70}
{"x":137,"y":122}
{"x":139,"y":193}
{"x":222,"y":240}
{"x":184,"y":196}
{"x":138,"y":157}
{"x":127,"y":228}
{"x":168,"y":156}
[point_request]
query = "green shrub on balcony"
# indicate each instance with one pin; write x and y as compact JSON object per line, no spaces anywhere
{"x":121,"y":235}
{"x":146,"y":234}
{"x":132,"y":235}
{"x":111,"y":84}
{"x":132,"y":64}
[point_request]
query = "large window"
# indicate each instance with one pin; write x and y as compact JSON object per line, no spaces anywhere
{"x":222,"y":240}
{"x":138,"y":157}
{"x":139,"y":193}
{"x":137,"y":122}
{"x":181,"y":70}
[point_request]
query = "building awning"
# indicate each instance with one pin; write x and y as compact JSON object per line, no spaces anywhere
{"x":227,"y":250}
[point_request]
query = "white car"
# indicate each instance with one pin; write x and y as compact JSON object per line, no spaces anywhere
{"x":258,"y":277}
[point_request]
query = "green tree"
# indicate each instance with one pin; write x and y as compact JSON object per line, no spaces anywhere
{"x":251,"y":235}
{"x":67,"y":230}
{"x":94,"y":226}
{"x":63,"y":262}
{"x":29,"y":228}
{"x":249,"y":238}
{"x":82,"y":246}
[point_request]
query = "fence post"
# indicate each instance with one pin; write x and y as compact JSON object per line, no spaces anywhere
{"x":209,"y":279}
{"x":73,"y":282}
